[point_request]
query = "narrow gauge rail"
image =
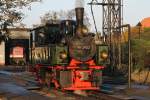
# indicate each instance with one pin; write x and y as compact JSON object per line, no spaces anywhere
{"x":93,"y":95}
{"x":32,"y":85}
{"x":103,"y":96}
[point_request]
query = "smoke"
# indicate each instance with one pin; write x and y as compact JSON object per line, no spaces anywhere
{"x":79,"y":4}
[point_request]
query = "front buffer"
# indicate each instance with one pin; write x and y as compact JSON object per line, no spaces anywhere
{"x":81,"y":76}
{"x":76,"y":76}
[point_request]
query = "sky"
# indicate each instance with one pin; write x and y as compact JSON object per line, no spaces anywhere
{"x":133,"y":11}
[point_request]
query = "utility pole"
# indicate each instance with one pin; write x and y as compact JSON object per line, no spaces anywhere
{"x":129,"y":54}
{"x":139,"y":27}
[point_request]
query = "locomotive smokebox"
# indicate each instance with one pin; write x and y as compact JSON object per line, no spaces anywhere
{"x":79,"y":16}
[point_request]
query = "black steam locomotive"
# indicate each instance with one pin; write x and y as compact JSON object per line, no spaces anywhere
{"x":64,"y":53}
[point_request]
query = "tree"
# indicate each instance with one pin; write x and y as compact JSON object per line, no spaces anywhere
{"x":62,"y":15}
{"x":10,"y":10}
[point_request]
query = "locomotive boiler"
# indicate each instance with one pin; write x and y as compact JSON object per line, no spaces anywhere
{"x":65,"y":54}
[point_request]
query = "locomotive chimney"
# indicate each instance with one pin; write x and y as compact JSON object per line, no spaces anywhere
{"x":79,"y":12}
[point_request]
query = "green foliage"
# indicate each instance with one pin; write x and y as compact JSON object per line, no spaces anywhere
{"x":140,"y":45}
{"x":138,"y":52}
{"x":146,"y":34}
{"x":140,"y":48}
{"x":146,"y":30}
{"x":10,"y":10}
{"x":10,"y":13}
{"x":51,"y":16}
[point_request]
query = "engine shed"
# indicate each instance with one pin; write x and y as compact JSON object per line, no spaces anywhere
{"x":17,"y":37}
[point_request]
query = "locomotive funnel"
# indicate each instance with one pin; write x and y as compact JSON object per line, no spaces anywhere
{"x":79,"y":16}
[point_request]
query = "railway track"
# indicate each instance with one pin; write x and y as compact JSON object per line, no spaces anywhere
{"x":91,"y":96}
{"x":94,"y":95}
{"x":104,"y":96}
{"x":30,"y":84}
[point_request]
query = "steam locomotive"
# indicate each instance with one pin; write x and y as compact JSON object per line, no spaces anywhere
{"x":64,"y":53}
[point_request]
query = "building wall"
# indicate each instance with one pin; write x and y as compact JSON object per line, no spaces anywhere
{"x":19,"y":33}
{"x":2,"y":53}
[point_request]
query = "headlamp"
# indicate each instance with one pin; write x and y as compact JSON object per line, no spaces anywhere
{"x":104,"y":55}
{"x":63,"y":55}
